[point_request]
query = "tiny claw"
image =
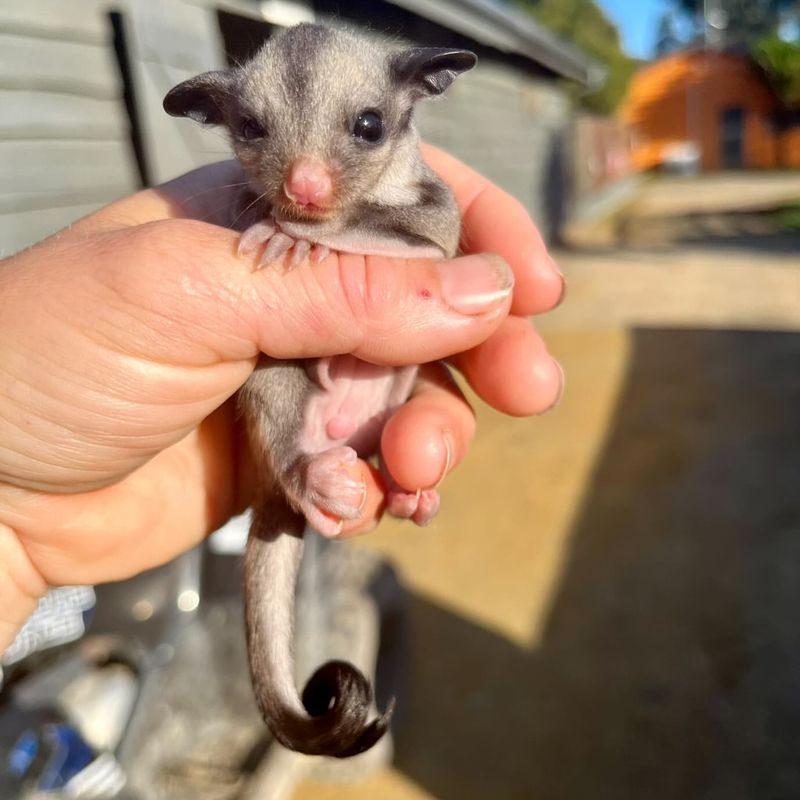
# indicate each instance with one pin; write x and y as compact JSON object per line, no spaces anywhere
{"x":323,"y":524}
{"x":420,"y":506}
{"x":277,"y":246}
{"x":254,"y":237}
{"x":427,"y":507}
{"x":320,"y":253}
{"x":300,"y":251}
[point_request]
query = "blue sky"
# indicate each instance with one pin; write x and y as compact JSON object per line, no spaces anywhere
{"x":637,"y":21}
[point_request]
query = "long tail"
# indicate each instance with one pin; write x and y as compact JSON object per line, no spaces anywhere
{"x":331,"y":718}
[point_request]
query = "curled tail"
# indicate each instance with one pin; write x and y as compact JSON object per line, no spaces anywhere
{"x":331,"y":718}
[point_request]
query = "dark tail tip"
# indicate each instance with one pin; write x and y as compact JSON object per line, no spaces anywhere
{"x":338,"y":698}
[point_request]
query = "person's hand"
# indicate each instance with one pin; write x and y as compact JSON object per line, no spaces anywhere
{"x":123,"y":337}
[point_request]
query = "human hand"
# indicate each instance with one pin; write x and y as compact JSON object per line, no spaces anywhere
{"x":124,"y":336}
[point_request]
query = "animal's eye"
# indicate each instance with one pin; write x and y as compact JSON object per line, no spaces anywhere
{"x":251,"y":130}
{"x":368,"y":127}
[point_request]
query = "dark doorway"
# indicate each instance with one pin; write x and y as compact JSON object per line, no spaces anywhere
{"x":732,"y":121}
{"x":242,"y":36}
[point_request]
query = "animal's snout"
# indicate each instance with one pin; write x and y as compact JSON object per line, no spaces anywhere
{"x":309,"y":184}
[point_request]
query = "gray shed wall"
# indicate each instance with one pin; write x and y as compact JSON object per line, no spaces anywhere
{"x":64,"y":140}
{"x":509,"y":126}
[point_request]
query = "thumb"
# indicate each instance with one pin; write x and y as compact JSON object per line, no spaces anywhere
{"x":384,"y":310}
{"x":177,"y":291}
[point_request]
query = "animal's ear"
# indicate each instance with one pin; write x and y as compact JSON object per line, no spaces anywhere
{"x":430,"y":70}
{"x":201,"y":98}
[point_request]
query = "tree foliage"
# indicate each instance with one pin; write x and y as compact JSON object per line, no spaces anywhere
{"x":584,"y":24}
{"x":780,"y":62}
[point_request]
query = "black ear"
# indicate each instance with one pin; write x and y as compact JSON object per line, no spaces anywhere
{"x":201,"y":98}
{"x":431,"y":69}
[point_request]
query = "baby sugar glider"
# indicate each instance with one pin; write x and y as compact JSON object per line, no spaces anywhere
{"x":321,"y":121}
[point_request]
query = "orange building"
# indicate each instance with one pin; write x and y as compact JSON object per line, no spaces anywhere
{"x":719,"y":101}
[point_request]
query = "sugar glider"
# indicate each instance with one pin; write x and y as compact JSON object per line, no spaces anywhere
{"x":322,"y":123}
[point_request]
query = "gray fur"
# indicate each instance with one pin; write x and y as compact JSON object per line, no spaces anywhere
{"x":304,"y":89}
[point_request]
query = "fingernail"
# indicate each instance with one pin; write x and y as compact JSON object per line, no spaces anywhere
{"x":562,"y":296}
{"x":476,"y":284}
{"x":547,"y":269}
{"x":563,"y":293}
{"x":554,"y":265}
{"x":562,"y":380}
{"x":447,"y":440}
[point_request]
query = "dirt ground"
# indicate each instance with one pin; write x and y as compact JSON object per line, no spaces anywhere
{"x":608,"y":603}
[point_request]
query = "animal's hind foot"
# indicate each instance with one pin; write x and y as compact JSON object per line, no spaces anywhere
{"x":330,"y":493}
{"x":421,"y":506}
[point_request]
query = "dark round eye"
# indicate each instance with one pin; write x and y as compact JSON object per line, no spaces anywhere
{"x":369,"y":127}
{"x":251,"y":130}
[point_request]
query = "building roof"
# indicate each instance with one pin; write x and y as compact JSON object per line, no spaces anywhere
{"x":485,"y":21}
{"x":511,"y":31}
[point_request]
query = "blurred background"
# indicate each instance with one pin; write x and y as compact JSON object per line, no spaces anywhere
{"x":607,"y":604}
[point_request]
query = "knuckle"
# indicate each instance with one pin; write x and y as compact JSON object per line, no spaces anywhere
{"x":372,"y":288}
{"x":353,"y":282}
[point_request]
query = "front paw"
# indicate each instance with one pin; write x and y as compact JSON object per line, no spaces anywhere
{"x":277,"y":244}
{"x":256,"y":236}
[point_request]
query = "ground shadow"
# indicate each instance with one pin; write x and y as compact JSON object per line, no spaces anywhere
{"x":670,"y":665}
{"x":763,"y":232}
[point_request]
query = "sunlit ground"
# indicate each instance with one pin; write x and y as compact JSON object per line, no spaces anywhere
{"x":607,"y":605}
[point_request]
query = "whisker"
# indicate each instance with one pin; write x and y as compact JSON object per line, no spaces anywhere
{"x":247,"y":208}
{"x":216,"y":189}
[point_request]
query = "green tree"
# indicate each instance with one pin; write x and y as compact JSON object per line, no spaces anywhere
{"x":583,"y":23}
{"x":780,"y":62}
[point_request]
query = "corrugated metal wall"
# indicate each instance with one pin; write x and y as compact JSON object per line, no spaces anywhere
{"x":512,"y":128}
{"x":168,"y":42}
{"x":65,"y":147}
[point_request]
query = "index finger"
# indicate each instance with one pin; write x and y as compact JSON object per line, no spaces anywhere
{"x":496,"y":222}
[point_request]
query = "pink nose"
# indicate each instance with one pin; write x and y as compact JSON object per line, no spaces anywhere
{"x":309,"y":184}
